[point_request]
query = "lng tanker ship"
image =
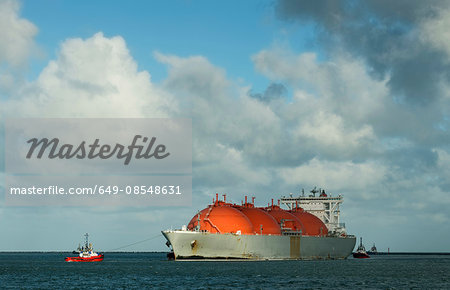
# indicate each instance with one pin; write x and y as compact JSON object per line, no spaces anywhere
{"x":229,"y":231}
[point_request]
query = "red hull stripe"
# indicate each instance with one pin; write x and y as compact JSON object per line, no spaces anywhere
{"x":81,"y":259}
{"x":361,"y":256}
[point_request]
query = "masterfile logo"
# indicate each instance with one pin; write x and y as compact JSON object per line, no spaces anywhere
{"x":66,"y":146}
{"x":69,"y":151}
{"x":98,"y":162}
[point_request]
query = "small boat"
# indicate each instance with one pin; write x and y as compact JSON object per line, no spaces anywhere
{"x":373,"y":250}
{"x":361,"y":251}
{"x":78,"y":250}
{"x":86,"y":253}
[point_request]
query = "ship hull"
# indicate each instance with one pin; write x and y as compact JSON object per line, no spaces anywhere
{"x":191,"y":245}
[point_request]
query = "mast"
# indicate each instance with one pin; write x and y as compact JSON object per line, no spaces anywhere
{"x":87,"y":241}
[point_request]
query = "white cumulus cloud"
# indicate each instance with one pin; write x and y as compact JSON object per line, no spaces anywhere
{"x":16,"y":34}
{"x":337,"y":175}
{"x":94,"y":77}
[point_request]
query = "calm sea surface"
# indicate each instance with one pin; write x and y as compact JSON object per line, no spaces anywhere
{"x":152,"y":270}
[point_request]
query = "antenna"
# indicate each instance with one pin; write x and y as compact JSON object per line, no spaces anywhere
{"x":87,"y":243}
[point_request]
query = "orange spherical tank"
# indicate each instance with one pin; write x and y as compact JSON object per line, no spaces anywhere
{"x":199,"y":216}
{"x":289,"y":220}
{"x":313,"y":225}
{"x":222,"y":219}
{"x":261,"y":219}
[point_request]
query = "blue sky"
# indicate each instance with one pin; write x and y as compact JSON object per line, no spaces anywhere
{"x":228,"y":33}
{"x":351,"y":96}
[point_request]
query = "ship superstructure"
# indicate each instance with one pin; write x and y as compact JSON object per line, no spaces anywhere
{"x":322,"y":205}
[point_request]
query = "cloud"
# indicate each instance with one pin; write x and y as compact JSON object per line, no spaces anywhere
{"x":230,"y":129}
{"x":16,"y":35}
{"x":345,"y":87}
{"x":378,"y":150}
{"x":340,"y":81}
{"x":443,"y":163}
{"x":389,"y":37}
{"x":94,"y":77}
{"x":328,"y":133}
{"x":337,"y":175}
{"x":366,"y":117}
{"x":435,"y":31}
{"x":334,"y":102}
{"x":273,"y":91}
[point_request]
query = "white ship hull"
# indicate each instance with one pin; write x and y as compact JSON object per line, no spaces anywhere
{"x":191,"y":244}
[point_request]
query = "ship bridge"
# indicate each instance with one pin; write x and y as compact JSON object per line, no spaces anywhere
{"x":324,"y":206}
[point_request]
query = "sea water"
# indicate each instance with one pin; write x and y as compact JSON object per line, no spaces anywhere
{"x":152,"y":270}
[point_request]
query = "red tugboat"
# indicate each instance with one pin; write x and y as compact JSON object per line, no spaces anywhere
{"x":361,"y":252}
{"x":86,"y":253}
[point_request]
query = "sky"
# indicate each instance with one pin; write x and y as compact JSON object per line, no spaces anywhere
{"x":350,"y":96}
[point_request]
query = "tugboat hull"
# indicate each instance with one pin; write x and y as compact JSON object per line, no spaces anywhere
{"x":360,"y":255}
{"x":98,"y":258}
